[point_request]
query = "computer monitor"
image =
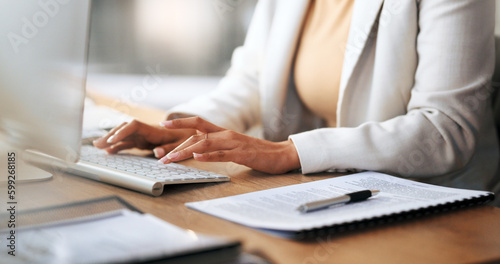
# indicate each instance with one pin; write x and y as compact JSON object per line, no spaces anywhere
{"x":43,"y":57}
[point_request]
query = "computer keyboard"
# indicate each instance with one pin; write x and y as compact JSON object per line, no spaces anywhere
{"x":127,"y":169}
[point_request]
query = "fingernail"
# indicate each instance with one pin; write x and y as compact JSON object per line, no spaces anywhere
{"x":166,"y":123}
{"x":197,"y":155}
{"x":159,"y":152}
{"x":163,"y":160}
{"x":110,"y":140}
{"x":172,"y":155}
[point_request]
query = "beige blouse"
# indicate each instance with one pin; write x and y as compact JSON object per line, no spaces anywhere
{"x":320,"y":54}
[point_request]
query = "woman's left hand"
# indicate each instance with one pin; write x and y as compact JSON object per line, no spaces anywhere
{"x":213,"y":143}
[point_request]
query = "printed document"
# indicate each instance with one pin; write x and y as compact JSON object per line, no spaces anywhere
{"x":122,"y":237}
{"x":276,"y":209}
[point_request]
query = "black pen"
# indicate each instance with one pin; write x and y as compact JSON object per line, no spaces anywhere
{"x":343,"y":199}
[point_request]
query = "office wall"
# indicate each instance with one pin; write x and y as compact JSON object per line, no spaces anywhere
{"x":497,"y":26}
{"x":183,"y":37}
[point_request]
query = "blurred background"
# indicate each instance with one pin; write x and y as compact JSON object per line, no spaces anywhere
{"x":186,"y":37}
{"x":497,"y":26}
{"x":163,"y":52}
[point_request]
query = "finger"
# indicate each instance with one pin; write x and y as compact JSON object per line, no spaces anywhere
{"x":173,"y":155}
{"x":196,"y":122}
{"x":204,"y":145}
{"x":161,"y":151}
{"x":120,"y":146}
{"x":125,"y":131}
{"x":102,"y":141}
{"x":190,"y":141}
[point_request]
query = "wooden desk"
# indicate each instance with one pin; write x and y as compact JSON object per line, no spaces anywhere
{"x":466,"y":236}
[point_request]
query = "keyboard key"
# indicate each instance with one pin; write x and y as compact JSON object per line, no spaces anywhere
{"x":146,"y":166}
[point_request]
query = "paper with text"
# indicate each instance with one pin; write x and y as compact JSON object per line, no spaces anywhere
{"x":276,"y":209}
{"x":127,"y":237}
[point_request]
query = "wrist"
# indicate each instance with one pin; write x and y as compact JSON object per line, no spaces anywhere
{"x":291,"y":156}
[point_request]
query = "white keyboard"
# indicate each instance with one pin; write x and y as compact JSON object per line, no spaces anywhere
{"x":138,"y":173}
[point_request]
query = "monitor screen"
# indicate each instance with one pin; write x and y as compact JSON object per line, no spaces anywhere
{"x":43,"y":56}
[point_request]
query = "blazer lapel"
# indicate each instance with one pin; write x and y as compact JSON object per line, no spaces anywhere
{"x":364,"y":15}
{"x":283,"y":37}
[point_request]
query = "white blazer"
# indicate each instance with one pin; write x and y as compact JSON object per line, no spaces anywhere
{"x":414,"y":94}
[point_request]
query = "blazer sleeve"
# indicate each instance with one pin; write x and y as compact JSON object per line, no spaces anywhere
{"x":445,"y":114}
{"x":235,"y":103}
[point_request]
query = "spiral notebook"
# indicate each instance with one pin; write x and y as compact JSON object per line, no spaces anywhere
{"x":275,"y":210}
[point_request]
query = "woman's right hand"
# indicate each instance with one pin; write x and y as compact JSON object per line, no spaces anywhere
{"x":140,"y":135}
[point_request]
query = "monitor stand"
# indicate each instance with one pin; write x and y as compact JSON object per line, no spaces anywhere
{"x":14,"y":167}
